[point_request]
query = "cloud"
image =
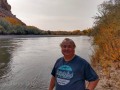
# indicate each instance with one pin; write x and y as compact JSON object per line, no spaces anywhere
{"x":50,"y":12}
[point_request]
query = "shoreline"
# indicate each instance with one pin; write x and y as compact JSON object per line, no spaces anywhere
{"x":35,"y":36}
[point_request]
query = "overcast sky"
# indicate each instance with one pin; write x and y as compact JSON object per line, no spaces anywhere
{"x":56,"y":14}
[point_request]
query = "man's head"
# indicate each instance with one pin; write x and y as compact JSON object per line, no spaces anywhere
{"x":68,"y":47}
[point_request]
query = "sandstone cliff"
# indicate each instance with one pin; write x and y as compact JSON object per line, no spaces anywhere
{"x":5,"y":11}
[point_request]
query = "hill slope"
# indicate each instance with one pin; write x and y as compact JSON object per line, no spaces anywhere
{"x":5,"y":11}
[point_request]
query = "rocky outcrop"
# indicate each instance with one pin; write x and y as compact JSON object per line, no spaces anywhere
{"x":5,"y":5}
{"x":5,"y":10}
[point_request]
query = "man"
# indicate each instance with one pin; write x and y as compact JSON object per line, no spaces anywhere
{"x":71,"y":71}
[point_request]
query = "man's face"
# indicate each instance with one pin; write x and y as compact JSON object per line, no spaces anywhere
{"x":67,"y":48}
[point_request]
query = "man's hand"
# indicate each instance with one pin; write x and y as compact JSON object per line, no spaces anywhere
{"x":92,"y":84}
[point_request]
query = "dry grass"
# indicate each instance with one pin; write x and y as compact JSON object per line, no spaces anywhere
{"x":106,"y":59}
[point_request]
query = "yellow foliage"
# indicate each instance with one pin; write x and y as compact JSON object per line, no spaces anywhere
{"x":13,"y":21}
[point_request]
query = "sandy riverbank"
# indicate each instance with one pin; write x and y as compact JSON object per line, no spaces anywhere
{"x":109,"y":83}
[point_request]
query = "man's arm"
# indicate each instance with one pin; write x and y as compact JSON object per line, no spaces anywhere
{"x":92,"y":84}
{"x":52,"y":83}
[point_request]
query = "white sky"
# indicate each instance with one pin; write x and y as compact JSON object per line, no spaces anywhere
{"x":56,"y":14}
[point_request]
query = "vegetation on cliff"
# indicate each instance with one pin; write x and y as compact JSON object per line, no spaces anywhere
{"x":12,"y":26}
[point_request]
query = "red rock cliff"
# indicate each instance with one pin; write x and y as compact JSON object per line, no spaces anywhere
{"x":5,"y":10}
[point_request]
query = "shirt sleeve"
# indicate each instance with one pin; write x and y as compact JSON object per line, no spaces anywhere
{"x":53,"y":71}
{"x":90,"y":74}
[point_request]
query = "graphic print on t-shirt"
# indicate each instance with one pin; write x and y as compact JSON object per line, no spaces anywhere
{"x":64,"y":74}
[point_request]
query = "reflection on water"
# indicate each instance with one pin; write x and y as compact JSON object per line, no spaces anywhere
{"x":26,"y":63}
{"x":7,"y":47}
{"x":4,"y":57}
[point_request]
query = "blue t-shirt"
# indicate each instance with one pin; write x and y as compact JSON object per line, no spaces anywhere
{"x":71,"y":75}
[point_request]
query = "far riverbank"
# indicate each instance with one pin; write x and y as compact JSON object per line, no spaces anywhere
{"x":34,"y":36}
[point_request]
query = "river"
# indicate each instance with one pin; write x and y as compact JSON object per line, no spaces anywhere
{"x":26,"y":61}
